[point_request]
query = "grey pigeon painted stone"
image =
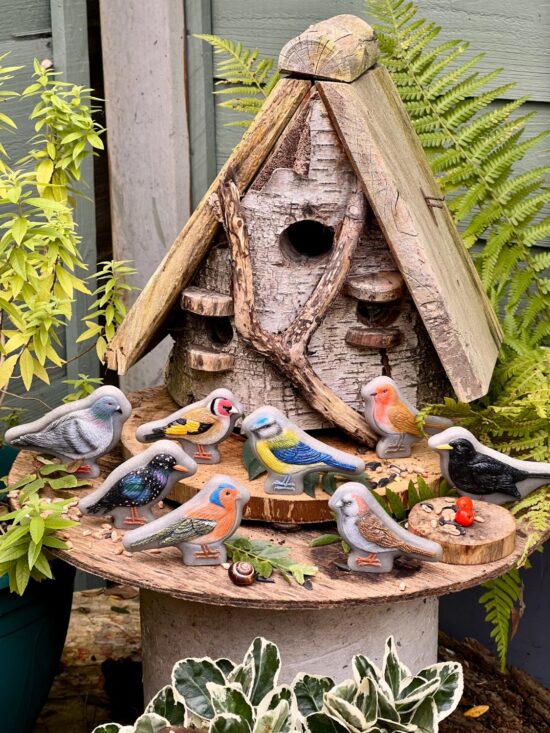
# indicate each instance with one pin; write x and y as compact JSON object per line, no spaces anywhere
{"x":288,"y":453}
{"x":199,"y":527}
{"x":199,"y":427}
{"x":83,"y":430}
{"x":130,"y":491}
{"x":392,"y":416}
{"x":374,"y":537}
{"x":483,"y":473}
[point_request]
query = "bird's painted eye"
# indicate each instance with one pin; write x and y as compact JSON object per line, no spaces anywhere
{"x":228,"y":493}
{"x":384,"y":391}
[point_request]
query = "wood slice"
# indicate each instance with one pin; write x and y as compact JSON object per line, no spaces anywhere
{"x":208,"y":360}
{"x":154,"y":403}
{"x":376,"y":287}
{"x":374,"y":338}
{"x":94,"y":549}
{"x":485,"y":541}
{"x":206,"y":302}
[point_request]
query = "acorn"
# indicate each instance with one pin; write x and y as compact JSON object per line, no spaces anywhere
{"x":241,"y":573}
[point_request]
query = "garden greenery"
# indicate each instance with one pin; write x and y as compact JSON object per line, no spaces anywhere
{"x":41,"y":271}
{"x":224,"y":697}
{"x":473,"y":141}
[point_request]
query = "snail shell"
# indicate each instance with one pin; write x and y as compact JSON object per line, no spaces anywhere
{"x":241,"y":573}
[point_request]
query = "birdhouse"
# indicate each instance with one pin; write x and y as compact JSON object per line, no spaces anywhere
{"x":322,"y":256}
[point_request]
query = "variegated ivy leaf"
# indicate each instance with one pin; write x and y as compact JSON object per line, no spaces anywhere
{"x":323,"y":723}
{"x":393,"y":669}
{"x":273,"y":698}
{"x":393,"y":726}
{"x":414,"y":690}
{"x":277,"y":720}
{"x":190,"y":677}
{"x":309,"y":690}
{"x":150,"y":723}
{"x":450,"y":687}
{"x":226,"y":666}
{"x":346,"y":690}
{"x":363,"y":666}
{"x":367,"y":700}
{"x":259,"y":671}
{"x":347,"y":713}
{"x":164,"y":703}
{"x":110,"y":728}
{"x":228,"y":723}
{"x":425,"y":717}
{"x":229,"y":698}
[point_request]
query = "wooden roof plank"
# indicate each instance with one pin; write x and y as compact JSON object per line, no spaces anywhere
{"x":373,"y":126}
{"x":180,"y":263}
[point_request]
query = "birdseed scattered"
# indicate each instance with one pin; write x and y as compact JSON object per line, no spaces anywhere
{"x":402,"y":586}
{"x":87,"y":533}
{"x":106,"y":526}
{"x":118,"y":550}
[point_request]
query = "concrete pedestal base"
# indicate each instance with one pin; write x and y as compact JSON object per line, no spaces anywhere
{"x":318,"y":642}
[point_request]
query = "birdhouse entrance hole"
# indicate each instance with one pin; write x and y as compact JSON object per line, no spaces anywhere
{"x":305,"y":240}
{"x":220,"y":330}
{"x":378,"y":314}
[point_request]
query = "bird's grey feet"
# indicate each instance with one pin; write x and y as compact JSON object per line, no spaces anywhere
{"x":284,"y":485}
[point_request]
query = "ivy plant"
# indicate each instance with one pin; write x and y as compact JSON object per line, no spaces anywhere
{"x":222,"y":696}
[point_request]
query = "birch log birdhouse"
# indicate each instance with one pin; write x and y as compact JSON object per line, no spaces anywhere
{"x":323,"y":255}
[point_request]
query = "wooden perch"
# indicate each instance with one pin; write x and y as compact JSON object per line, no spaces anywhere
{"x":339,"y":49}
{"x":206,"y":302}
{"x":377,"y":287}
{"x":288,"y":349}
{"x":374,"y":338}
{"x":160,"y":294}
{"x":208,"y":360}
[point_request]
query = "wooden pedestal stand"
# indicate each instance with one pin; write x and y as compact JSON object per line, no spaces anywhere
{"x":154,"y":403}
{"x":196,"y":611}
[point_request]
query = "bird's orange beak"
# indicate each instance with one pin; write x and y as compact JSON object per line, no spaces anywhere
{"x":181,"y":469}
{"x":444,"y":446}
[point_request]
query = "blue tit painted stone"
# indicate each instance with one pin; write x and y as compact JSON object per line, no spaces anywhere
{"x":83,"y":430}
{"x":288,"y":453}
{"x":199,"y":527}
{"x":391,"y":415}
{"x":483,"y":473}
{"x":199,"y":427}
{"x":136,"y":485}
{"x":374,"y":537}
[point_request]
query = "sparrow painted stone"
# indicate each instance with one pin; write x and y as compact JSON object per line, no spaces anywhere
{"x":199,"y":427}
{"x":392,"y":416}
{"x":82,"y":430}
{"x":137,"y":484}
{"x":289,"y":453}
{"x":374,"y":537}
{"x":199,"y":527}
{"x":483,"y":473}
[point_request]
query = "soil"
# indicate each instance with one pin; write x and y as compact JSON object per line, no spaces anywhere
{"x":100,"y":676}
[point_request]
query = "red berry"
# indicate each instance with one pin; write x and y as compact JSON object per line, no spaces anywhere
{"x":464,"y":518}
{"x":464,"y":502}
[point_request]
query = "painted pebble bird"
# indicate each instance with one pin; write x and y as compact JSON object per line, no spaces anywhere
{"x":199,"y":427}
{"x":484,"y":473}
{"x":199,"y":527}
{"x":137,"y":484}
{"x":82,"y":430}
{"x":374,"y":537}
{"x":392,"y":416}
{"x":289,"y":453}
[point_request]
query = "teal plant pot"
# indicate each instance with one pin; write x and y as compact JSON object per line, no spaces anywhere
{"x":32,"y":633}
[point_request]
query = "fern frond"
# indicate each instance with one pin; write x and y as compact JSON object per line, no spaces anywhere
{"x":502,"y":596}
{"x":472,"y":149}
{"x":242,"y":73}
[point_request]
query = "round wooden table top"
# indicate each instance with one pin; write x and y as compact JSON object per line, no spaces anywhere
{"x":93,"y":549}
{"x":155,"y":402}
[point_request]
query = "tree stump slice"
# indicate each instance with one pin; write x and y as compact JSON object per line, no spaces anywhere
{"x":155,"y":402}
{"x":492,"y":539}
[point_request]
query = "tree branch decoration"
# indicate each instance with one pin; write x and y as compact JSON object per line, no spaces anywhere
{"x":288,"y":349}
